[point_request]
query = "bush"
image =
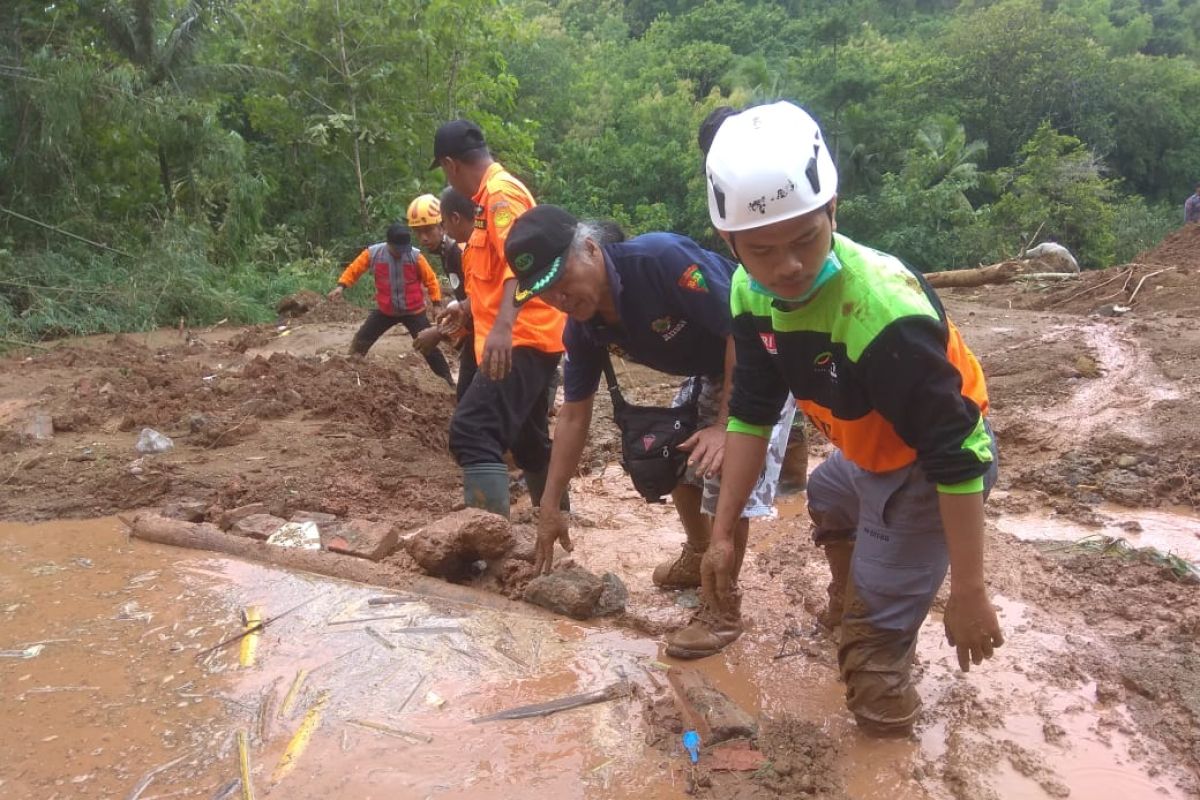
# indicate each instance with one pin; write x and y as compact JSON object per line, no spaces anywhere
{"x":75,"y":291}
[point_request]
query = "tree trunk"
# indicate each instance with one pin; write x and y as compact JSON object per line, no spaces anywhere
{"x":364,"y":217}
{"x":1003,"y":272}
{"x":164,"y":177}
{"x":153,"y":527}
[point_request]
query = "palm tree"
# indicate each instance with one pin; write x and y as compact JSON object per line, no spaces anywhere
{"x":945,"y":154}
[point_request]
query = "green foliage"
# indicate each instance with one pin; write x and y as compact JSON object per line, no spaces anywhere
{"x":72,"y":291}
{"x":922,"y":213}
{"x":1057,"y":186}
{"x":240,"y":149}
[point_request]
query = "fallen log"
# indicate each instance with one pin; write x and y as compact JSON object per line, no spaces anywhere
{"x":1003,"y":272}
{"x":152,"y":527}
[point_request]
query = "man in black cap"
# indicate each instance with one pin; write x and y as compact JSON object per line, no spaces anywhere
{"x":505,"y":408}
{"x":663,"y":301}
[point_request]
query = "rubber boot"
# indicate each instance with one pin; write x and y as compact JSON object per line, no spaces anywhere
{"x":838,"y":554}
{"x":683,"y":571}
{"x":536,"y":483}
{"x":713,"y":627}
{"x":486,"y":486}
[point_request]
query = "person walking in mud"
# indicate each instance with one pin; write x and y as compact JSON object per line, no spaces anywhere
{"x":663,"y":301}
{"x":438,"y":224}
{"x":866,"y":348}
{"x":505,"y":407}
{"x":399,"y":271}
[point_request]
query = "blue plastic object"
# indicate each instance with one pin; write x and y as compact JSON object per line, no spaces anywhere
{"x":691,"y":743}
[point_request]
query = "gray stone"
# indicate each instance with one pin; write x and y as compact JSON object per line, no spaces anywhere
{"x":258,"y":526}
{"x":186,"y":510}
{"x":577,"y":593}
{"x":230,"y":518}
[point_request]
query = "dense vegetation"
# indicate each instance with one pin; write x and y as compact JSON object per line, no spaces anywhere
{"x":228,"y":151}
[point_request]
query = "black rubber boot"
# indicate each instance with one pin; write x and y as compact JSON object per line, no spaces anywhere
{"x":486,"y":486}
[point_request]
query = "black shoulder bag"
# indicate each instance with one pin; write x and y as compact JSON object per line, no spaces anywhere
{"x":650,"y":438}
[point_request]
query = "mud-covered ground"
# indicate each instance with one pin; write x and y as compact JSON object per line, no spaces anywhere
{"x":1095,"y":694}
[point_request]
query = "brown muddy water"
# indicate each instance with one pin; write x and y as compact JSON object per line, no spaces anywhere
{"x":114,"y":689}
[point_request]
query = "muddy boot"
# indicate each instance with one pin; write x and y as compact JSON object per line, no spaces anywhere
{"x":486,"y":486}
{"x":793,"y":472}
{"x":536,"y":483}
{"x":683,"y":571}
{"x":838,"y":554}
{"x":710,"y":630}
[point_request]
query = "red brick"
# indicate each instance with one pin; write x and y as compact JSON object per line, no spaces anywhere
{"x":358,"y":537}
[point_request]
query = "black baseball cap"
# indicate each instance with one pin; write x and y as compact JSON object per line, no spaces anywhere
{"x":455,"y":138}
{"x":536,"y":247}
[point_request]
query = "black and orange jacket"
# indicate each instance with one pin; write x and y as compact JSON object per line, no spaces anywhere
{"x":873,"y":361}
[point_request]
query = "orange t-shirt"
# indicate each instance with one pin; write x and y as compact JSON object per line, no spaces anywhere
{"x":500,"y":200}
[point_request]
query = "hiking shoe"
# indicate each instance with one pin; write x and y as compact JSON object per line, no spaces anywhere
{"x":681,"y":572}
{"x":710,"y":630}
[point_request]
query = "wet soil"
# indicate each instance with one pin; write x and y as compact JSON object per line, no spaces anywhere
{"x":1093,"y":695}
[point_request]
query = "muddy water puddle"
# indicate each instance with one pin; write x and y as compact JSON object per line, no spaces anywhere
{"x":390,"y":690}
{"x":1174,"y":531}
{"x":117,"y":688}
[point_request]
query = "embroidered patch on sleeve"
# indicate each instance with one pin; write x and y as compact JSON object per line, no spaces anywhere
{"x":502,"y":215}
{"x":693,"y":280}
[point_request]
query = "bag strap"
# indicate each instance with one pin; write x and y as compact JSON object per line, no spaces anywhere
{"x":610,"y":377}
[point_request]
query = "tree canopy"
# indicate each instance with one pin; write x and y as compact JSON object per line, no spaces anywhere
{"x":225,"y":150}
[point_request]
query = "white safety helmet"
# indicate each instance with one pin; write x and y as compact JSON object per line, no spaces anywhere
{"x":767,"y":164}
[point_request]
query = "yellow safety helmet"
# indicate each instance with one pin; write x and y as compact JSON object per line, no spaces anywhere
{"x":425,"y":210}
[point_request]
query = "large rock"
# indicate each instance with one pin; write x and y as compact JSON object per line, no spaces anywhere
{"x":448,"y":547}
{"x":358,"y":537}
{"x":524,"y":543}
{"x":578,"y":593}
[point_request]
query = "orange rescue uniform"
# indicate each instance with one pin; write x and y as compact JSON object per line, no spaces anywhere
{"x":500,"y":200}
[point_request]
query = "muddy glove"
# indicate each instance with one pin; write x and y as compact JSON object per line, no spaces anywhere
{"x":336,"y":292}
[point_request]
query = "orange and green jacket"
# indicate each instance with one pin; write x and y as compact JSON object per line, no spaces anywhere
{"x":397,"y":280}
{"x":873,"y":361}
{"x":500,"y":200}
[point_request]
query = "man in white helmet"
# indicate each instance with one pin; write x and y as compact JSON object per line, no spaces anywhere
{"x":866,"y":348}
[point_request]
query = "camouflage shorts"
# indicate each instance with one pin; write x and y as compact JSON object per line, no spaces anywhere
{"x":762,"y":496}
